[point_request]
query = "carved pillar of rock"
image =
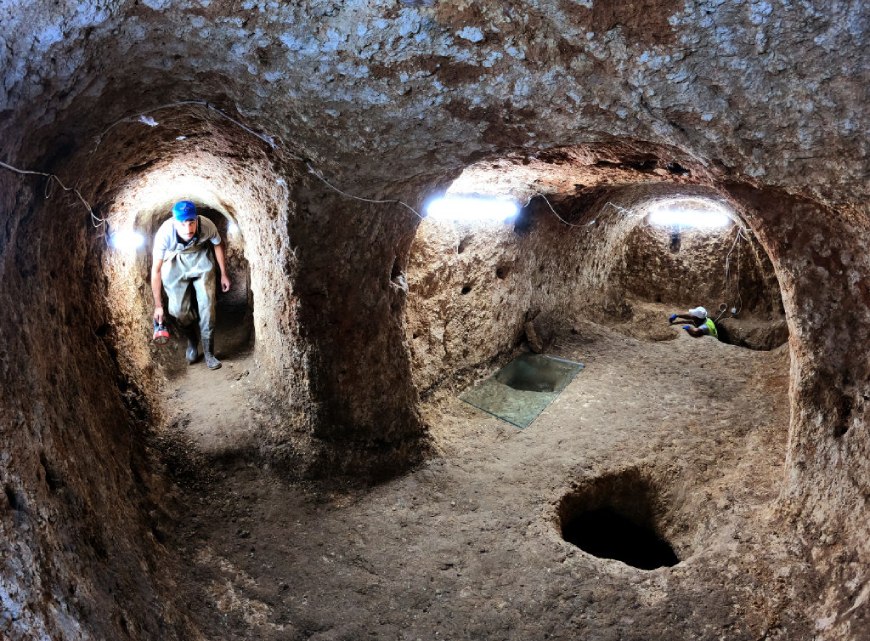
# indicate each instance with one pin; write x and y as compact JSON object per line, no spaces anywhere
{"x":352,"y":292}
{"x":824,"y":269}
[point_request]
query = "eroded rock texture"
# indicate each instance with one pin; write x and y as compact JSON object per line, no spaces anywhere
{"x":272,"y":114}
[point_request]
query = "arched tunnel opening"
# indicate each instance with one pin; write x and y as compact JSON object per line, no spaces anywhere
{"x":585,"y":243}
{"x":194,"y":155}
{"x":327,"y":481}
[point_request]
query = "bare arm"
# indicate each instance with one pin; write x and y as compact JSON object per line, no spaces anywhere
{"x":222,"y":264}
{"x":157,"y":289}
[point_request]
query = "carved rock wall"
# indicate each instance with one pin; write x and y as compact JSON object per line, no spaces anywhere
{"x":714,"y":268}
{"x":389,"y":99}
{"x":81,"y":497}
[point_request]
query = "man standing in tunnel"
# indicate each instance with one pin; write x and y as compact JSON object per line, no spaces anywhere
{"x":182,"y":261}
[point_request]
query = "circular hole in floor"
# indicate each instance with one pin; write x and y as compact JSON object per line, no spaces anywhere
{"x":616,"y":517}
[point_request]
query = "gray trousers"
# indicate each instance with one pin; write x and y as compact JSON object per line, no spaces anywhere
{"x":189,"y":271}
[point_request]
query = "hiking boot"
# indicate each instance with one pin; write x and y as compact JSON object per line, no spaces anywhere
{"x":210,"y":361}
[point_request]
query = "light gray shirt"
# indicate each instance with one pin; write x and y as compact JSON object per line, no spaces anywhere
{"x":167,"y":243}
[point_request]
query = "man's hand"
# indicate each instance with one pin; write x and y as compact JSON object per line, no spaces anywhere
{"x":158,"y":315}
{"x":222,"y":266}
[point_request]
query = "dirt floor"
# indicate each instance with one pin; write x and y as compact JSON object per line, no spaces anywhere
{"x":213,"y":409}
{"x":469,"y":544}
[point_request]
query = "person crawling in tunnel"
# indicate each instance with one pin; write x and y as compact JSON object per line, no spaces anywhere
{"x":701,"y":324}
{"x":183,"y":265}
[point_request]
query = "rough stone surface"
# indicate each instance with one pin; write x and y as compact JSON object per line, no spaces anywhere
{"x":716,"y":268}
{"x":755,"y":335}
{"x":366,"y":319}
{"x":534,"y":340}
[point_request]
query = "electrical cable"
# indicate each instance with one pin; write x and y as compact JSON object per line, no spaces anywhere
{"x":320,"y":177}
{"x":100,"y":137}
{"x":554,"y":211}
{"x":737,"y":279}
{"x":739,"y":306}
{"x":723,"y":308}
{"x":144,"y":118}
{"x":141,"y":117}
{"x":96,"y":221}
{"x":269,"y":140}
{"x":621,"y":210}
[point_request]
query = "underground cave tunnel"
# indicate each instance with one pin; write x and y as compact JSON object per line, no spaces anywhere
{"x":327,"y":483}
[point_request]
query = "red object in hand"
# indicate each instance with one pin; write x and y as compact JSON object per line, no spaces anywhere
{"x":161,"y":334}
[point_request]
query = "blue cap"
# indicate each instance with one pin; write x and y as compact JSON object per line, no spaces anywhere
{"x":184,"y":210}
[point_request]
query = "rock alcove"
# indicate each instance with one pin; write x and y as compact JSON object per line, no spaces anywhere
{"x":327,"y":483}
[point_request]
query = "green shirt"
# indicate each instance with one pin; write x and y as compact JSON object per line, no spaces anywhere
{"x":711,"y":328}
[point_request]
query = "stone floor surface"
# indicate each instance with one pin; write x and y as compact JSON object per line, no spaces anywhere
{"x":468,"y":545}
